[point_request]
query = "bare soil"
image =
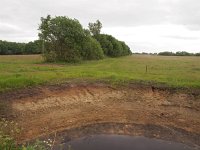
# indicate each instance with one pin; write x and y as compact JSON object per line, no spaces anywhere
{"x":134,"y":109}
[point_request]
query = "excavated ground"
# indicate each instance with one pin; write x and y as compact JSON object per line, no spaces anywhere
{"x":79,"y":109}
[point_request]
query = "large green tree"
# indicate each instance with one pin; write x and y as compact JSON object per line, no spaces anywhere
{"x":95,"y":28}
{"x":64,"y":39}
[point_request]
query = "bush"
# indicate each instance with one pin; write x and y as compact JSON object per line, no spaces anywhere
{"x":105,"y":43}
{"x":111,"y":46}
{"x":117,"y":47}
{"x":126,"y":49}
{"x":92,"y":50}
{"x":50,"y":56}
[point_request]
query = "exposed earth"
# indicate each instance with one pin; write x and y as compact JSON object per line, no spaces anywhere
{"x":79,"y":109}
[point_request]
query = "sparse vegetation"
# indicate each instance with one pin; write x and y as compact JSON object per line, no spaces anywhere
{"x":9,"y":130}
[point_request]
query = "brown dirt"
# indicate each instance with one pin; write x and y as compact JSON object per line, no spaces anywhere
{"x":44,"y":110}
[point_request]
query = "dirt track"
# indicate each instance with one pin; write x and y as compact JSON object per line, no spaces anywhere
{"x":44,"y":110}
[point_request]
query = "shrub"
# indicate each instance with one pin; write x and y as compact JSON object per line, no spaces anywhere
{"x":105,"y":43}
{"x":50,"y":56}
{"x":126,"y":49}
{"x":111,"y":46}
{"x":92,"y":49}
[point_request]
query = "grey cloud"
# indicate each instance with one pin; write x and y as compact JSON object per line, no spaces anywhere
{"x":182,"y":37}
{"x":8,"y":29}
{"x":22,"y":17}
{"x":186,"y":12}
{"x":112,"y":12}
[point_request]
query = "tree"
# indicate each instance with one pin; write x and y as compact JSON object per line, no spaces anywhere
{"x":95,"y":28}
{"x":166,"y":53}
{"x":111,"y":46}
{"x":13,"y":48}
{"x":126,"y":49}
{"x":34,"y":47}
{"x":8,"y":48}
{"x":105,"y":43}
{"x":64,"y":39}
{"x":117,"y":47}
{"x":197,"y":54}
{"x":183,"y":53}
{"x":92,"y":49}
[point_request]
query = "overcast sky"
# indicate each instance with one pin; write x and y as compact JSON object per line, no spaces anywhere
{"x":146,"y":25}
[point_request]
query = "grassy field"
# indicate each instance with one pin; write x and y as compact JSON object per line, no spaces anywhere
{"x":22,"y":71}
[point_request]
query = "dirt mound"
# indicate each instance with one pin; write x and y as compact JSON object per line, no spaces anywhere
{"x":49,"y":109}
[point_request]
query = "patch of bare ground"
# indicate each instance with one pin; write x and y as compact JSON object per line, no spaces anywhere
{"x":133,"y":109}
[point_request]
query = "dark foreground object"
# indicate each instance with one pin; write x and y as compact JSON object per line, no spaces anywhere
{"x":121,"y":142}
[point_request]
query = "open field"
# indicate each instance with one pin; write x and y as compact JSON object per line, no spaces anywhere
{"x":28,"y":70}
{"x":81,"y":104}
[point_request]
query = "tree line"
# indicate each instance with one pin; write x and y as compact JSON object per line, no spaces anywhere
{"x":179,"y":53}
{"x":14,"y":48}
{"x":167,"y":53}
{"x":64,"y":39}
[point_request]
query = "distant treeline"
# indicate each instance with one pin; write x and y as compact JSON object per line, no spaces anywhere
{"x":14,"y":48}
{"x":180,"y":53}
{"x":166,"y":53}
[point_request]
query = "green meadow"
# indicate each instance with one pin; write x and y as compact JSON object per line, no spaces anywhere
{"x":20,"y":71}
